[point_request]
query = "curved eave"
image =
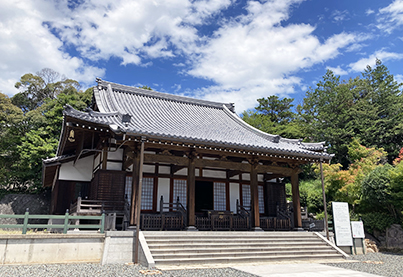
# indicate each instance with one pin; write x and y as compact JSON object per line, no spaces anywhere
{"x":228,"y":146}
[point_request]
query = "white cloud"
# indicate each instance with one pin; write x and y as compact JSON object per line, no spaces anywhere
{"x":255,"y":56}
{"x":28,"y":46}
{"x":340,"y":15}
{"x":337,"y":70}
{"x":399,"y":78}
{"x":361,"y":64}
{"x":369,"y":11}
{"x":391,"y":17}
{"x":37,"y":34}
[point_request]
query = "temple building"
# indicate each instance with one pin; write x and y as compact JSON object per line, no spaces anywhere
{"x":197,"y":164}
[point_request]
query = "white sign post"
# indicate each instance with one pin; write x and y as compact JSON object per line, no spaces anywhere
{"x":341,"y":224}
{"x":358,"y":229}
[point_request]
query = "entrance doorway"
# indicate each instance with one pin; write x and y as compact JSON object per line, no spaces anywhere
{"x":204,"y":196}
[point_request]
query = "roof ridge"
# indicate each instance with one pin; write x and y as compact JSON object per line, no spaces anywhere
{"x":271,"y":137}
{"x":164,"y":96}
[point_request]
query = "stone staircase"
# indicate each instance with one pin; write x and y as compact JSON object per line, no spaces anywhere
{"x":191,"y":248}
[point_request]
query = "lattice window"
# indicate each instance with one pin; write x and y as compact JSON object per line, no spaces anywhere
{"x":180,"y":191}
{"x":246,"y":196}
{"x":220,"y":200}
{"x":128,"y":188}
{"x":261,"y":199}
{"x":147,"y":194}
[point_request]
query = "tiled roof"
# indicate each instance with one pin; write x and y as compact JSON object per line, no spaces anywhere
{"x":161,"y":115}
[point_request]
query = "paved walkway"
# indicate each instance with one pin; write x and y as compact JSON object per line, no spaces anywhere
{"x":300,"y":270}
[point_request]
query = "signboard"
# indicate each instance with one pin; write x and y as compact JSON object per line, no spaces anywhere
{"x":357,"y":227}
{"x":341,"y":222}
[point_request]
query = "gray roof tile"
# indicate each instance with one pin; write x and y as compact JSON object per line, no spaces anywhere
{"x":164,"y":115}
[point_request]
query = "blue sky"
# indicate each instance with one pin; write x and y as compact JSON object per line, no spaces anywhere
{"x":222,"y":50}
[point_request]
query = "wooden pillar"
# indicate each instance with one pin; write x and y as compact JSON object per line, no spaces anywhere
{"x":191,"y":193}
{"x":104,"y":157}
{"x":254,"y":197}
{"x":138,"y":200}
{"x":296,"y":200}
{"x":324,"y":199}
{"x":135,"y":184}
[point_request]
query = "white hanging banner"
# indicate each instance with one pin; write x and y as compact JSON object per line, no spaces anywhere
{"x":341,"y":224}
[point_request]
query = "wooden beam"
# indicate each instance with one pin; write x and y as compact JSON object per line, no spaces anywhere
{"x":234,"y":153}
{"x":296,"y":199}
{"x":232,"y":173}
{"x":155,"y":158}
{"x":176,"y":168}
{"x":244,"y":167}
{"x":269,"y":176}
{"x":79,"y":147}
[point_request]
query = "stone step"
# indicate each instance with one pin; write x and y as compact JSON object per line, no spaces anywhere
{"x":226,"y":233}
{"x":232,"y":245}
{"x":203,"y":235}
{"x":174,"y":248}
{"x":219,"y":240}
{"x":172,"y":251}
{"x":242,"y":254}
{"x":246,"y":259}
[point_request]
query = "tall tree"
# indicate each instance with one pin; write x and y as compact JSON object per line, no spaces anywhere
{"x":326,"y":114}
{"x":33,"y":125}
{"x":45,"y":84}
{"x":274,"y":115}
{"x":385,"y":95}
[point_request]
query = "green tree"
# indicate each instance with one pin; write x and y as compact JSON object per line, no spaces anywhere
{"x":346,"y":185}
{"x":274,"y":115}
{"x":34,"y":126}
{"x":326,"y":114}
{"x":384,"y":94}
{"x":10,"y":119}
{"x":45,"y":84}
{"x":376,"y":191}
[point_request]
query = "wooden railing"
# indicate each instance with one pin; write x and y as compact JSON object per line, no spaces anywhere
{"x":243,"y":211}
{"x":85,"y":206}
{"x":67,"y":219}
{"x":275,"y":224}
{"x":223,"y":221}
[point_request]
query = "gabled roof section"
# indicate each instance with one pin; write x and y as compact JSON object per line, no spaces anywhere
{"x":157,"y":115}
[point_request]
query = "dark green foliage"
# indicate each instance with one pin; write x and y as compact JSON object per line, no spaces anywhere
{"x":274,"y":115}
{"x":311,"y":195}
{"x":369,"y":108}
{"x":376,"y":190}
{"x":146,"y":87}
{"x":32,"y":126}
{"x":377,"y":221}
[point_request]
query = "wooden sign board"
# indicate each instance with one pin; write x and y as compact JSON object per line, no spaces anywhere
{"x":357,"y":227}
{"x":341,"y":222}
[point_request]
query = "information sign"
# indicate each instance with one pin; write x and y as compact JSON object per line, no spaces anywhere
{"x":341,"y":221}
{"x":357,"y":227}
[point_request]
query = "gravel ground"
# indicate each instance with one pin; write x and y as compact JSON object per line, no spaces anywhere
{"x":384,"y":264}
{"x":72,"y":270}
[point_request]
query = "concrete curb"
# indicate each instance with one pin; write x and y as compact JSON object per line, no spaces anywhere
{"x":345,"y":255}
